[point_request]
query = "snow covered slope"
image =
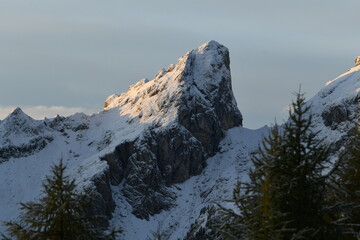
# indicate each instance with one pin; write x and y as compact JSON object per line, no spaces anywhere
{"x":163,"y":153}
{"x":336,"y":107}
{"x":199,"y":194}
{"x":157,"y":134}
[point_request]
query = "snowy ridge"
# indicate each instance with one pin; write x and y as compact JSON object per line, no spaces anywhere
{"x":158,"y":133}
{"x":19,"y":124}
{"x":336,"y":107}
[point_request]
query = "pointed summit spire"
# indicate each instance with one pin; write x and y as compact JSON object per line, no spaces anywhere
{"x":18,"y":115}
{"x":200,"y":77}
{"x":17,"y":111}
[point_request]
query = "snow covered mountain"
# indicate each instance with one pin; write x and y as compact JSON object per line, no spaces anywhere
{"x":336,"y":107}
{"x":163,"y":153}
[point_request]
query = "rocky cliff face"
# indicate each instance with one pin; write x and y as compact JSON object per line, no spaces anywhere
{"x":189,"y":106}
{"x":157,"y":134}
{"x":336,"y":111}
{"x":336,"y":107}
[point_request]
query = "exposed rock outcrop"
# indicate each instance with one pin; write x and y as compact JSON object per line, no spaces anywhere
{"x":34,"y":145}
{"x":334,"y":115}
{"x":190,"y":106}
{"x":336,"y":107}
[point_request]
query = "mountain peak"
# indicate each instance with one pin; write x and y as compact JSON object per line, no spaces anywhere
{"x":18,"y":122}
{"x":203,"y":74}
{"x":207,"y":61}
{"x":17,"y":111}
{"x":18,"y":114}
{"x":210,"y":45}
{"x":159,"y":133}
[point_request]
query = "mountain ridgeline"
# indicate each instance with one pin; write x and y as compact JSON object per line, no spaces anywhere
{"x":163,"y":153}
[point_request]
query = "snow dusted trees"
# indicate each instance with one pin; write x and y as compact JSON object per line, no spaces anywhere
{"x":60,"y":214}
{"x":285,"y":196}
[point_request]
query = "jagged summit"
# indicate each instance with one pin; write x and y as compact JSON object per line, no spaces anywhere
{"x":18,"y":122}
{"x":201,"y":75}
{"x":159,"y":133}
{"x":17,"y":111}
{"x":188,"y":107}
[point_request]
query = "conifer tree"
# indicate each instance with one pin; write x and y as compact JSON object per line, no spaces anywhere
{"x":349,"y":181}
{"x":301,"y":182}
{"x":285,"y":195}
{"x":60,"y":213}
{"x":257,"y":216}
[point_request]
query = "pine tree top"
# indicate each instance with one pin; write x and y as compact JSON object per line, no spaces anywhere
{"x":59,"y":214}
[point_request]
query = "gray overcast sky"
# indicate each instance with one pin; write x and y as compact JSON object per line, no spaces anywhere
{"x":74,"y":53}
